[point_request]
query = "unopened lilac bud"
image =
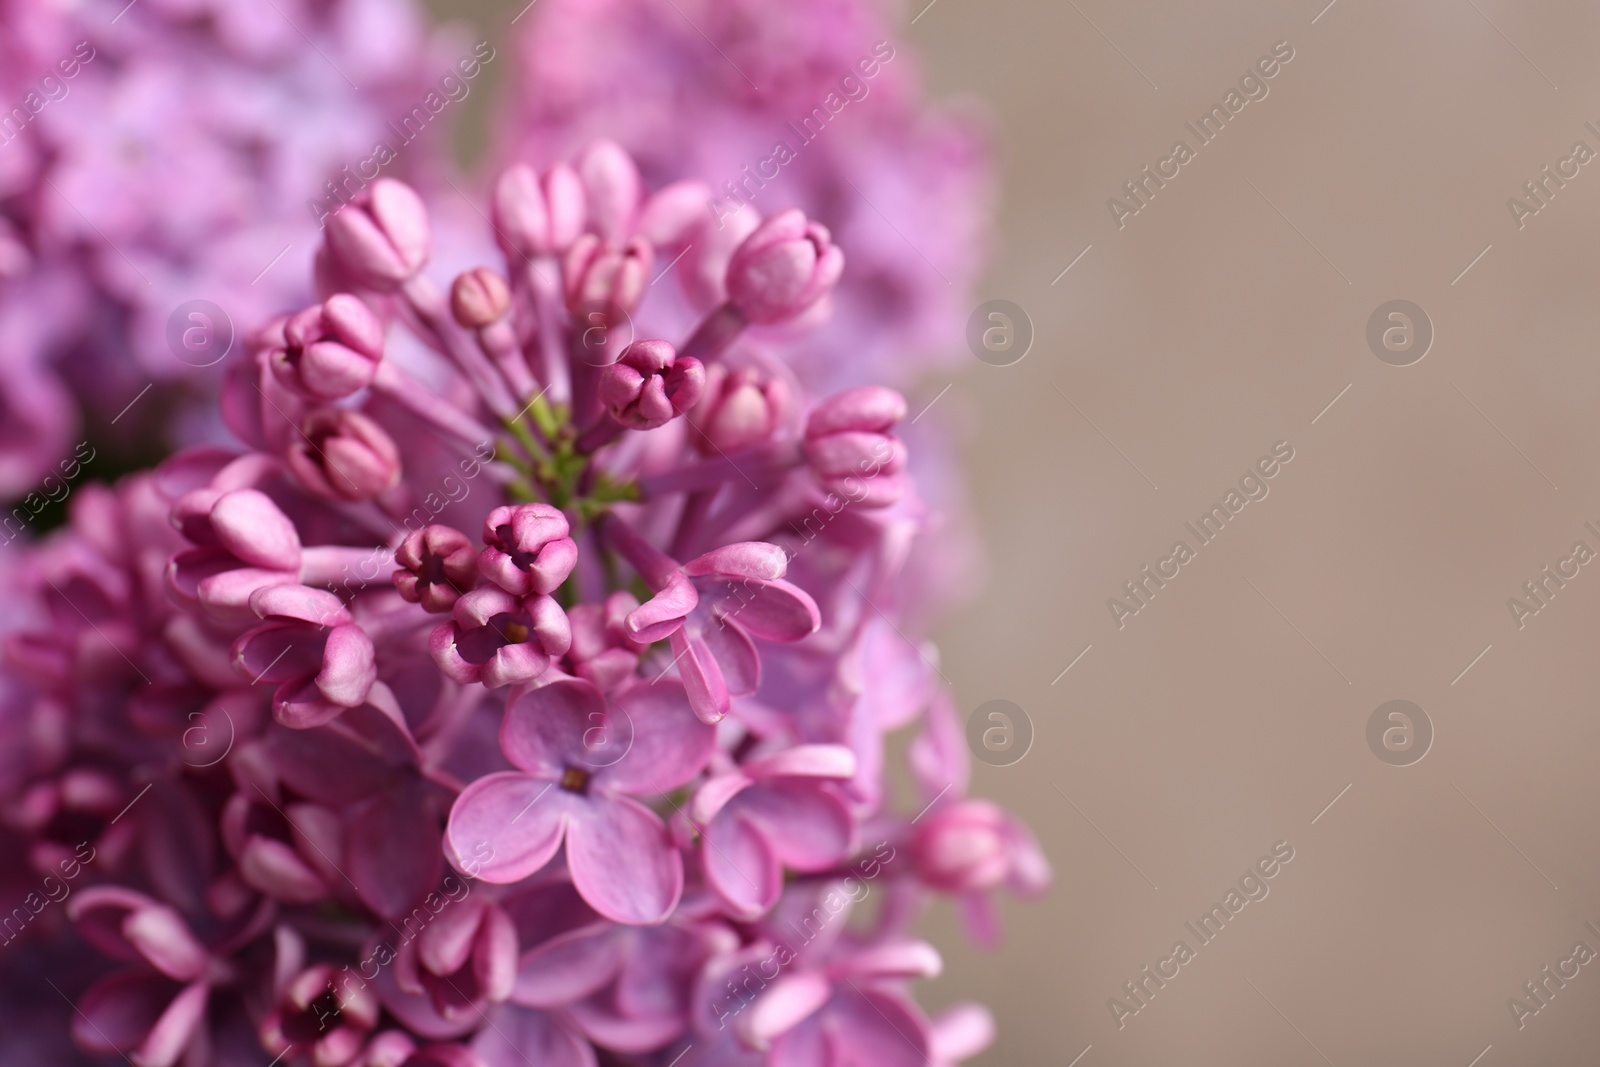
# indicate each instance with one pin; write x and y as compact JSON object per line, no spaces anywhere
{"x":328,"y":351}
{"x":738,"y":409}
{"x":973,"y":845}
{"x":611,"y":182}
{"x":381,"y":239}
{"x":479,"y":297}
{"x":598,"y":276}
{"x":534,"y":216}
{"x":850,"y":449}
{"x":783,"y":268}
{"x":963,"y":848}
{"x":436,"y":565}
{"x":649,"y":386}
{"x":528,"y":548}
{"x":344,"y":455}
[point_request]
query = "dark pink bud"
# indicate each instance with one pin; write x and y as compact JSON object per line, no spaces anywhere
{"x":534,"y":216}
{"x":598,"y":276}
{"x":614,"y":190}
{"x":737,"y":410}
{"x":344,"y":455}
{"x":850,"y":449}
{"x":649,"y":386}
{"x":437,"y":565}
{"x":328,"y":351}
{"x":527,"y":548}
{"x":783,"y":268}
{"x":381,"y":239}
{"x":479,"y":297}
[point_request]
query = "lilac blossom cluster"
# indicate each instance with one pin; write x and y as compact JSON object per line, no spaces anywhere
{"x":812,"y":105}
{"x":159,"y":152}
{"x":583,"y":764}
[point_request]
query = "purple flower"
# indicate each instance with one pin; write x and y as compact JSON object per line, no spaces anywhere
{"x":773,"y":813}
{"x":437,"y":565}
{"x":848,"y":1004}
{"x":850,"y":449}
{"x":479,"y":298}
{"x":783,"y":268}
{"x":328,"y":1023}
{"x":711,"y":607}
{"x":234,"y":706}
{"x":648,"y":386}
{"x":344,"y":455}
{"x":973,"y":845}
{"x":309,"y":645}
{"x":500,"y":639}
{"x":329,"y":350}
{"x":619,"y":852}
{"x":738,"y":410}
{"x":244,"y":542}
{"x":383,"y":238}
{"x":527,"y":549}
{"x":536,"y":216}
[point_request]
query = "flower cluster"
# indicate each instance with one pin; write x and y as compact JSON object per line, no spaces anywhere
{"x":157,"y":153}
{"x":516,"y":691}
{"x":813,"y":105}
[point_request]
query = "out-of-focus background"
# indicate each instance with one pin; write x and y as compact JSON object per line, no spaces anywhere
{"x":1173,"y":348}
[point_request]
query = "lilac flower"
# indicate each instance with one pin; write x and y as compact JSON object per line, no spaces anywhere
{"x":619,"y":852}
{"x":329,"y":350}
{"x":738,"y":410}
{"x":648,"y":386}
{"x":436,"y":565}
{"x":773,"y":814}
{"x":354,"y":787}
{"x":526,"y":549}
{"x":499,"y":639}
{"x":903,"y":186}
{"x":179,"y":159}
{"x":850,"y":449}
{"x":745,"y":597}
{"x":784,"y":267}
{"x":310,"y":645}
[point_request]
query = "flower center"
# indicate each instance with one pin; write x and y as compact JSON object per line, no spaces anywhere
{"x":515,"y":633}
{"x":575,"y":779}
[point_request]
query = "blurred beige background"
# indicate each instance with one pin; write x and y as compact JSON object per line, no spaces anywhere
{"x":1226,"y":716}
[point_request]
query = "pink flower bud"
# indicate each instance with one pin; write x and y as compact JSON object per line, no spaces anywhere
{"x":783,"y":268}
{"x":850,"y":449}
{"x":383,"y":238}
{"x":328,"y":351}
{"x":611,"y":180}
{"x":479,"y":298}
{"x":649,"y":387}
{"x":963,"y":847}
{"x":602,"y":652}
{"x":737,"y":410}
{"x":437,"y":565}
{"x":534,"y":216}
{"x":500,"y":639}
{"x":598,"y":276}
{"x":527,"y":548}
{"x":344,"y":455}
